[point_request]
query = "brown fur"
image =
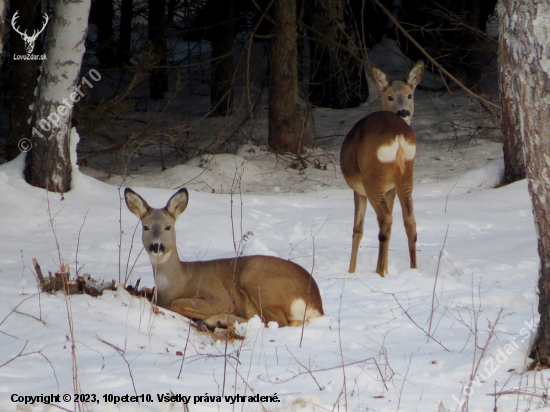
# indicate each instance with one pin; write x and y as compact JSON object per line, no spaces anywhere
{"x":222,"y":291}
{"x":380,"y":181}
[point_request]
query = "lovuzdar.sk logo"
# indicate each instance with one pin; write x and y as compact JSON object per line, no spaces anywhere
{"x":29,"y":40}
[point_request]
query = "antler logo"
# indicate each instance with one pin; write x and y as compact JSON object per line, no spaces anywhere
{"x":29,"y":40}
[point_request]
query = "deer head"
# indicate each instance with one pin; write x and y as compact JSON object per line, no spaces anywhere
{"x":397,"y":96}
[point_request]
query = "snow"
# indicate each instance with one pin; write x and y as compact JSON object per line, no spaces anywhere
{"x":375,"y":326}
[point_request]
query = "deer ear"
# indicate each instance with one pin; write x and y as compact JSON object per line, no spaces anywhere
{"x":415,"y":74}
{"x":177,"y":203}
{"x":380,"y":79}
{"x":135,"y":203}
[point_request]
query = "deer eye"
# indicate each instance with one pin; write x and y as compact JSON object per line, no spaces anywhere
{"x":145,"y":227}
{"x":390,"y":98}
{"x":410,"y":96}
{"x":168,"y":228}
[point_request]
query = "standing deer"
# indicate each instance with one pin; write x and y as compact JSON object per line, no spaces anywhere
{"x":377,"y":159}
{"x":222,"y":291}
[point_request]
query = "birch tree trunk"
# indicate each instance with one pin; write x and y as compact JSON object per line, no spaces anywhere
{"x":285,"y":123}
{"x":526,"y":35}
{"x":48,"y":164}
{"x":514,"y":162}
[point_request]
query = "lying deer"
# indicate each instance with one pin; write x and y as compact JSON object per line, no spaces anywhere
{"x":223,"y":291}
{"x":377,"y":159}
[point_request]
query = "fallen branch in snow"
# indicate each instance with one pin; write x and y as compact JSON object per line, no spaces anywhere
{"x":317,"y":370}
{"x":306,"y":368}
{"x":30,"y":316}
{"x":121,"y":353}
{"x":497,"y":394}
{"x":61,"y":281}
{"x":82,"y":285}
{"x":245,"y":381}
{"x":184,"y":350}
{"x":381,"y":376}
{"x":404,"y":380}
{"x":14,"y":310}
{"x":38,"y":270}
{"x":477,"y":364}
{"x":524,"y":392}
{"x":416,"y":324}
{"x":21,"y":354}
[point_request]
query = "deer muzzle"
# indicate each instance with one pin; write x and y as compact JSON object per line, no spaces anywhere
{"x":156,"y":248}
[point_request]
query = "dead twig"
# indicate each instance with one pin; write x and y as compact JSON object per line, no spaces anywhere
{"x":306,"y":368}
{"x":317,"y":370}
{"x":417,"y":325}
{"x":431,"y":59}
{"x":435,"y":282}
{"x":121,"y":353}
{"x":21,"y":355}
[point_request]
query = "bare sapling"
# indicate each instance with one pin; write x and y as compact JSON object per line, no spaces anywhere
{"x":224,"y":291}
{"x":377,"y":160}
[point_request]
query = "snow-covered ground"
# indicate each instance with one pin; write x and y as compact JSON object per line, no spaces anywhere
{"x":376,"y":327}
{"x":474,"y":291}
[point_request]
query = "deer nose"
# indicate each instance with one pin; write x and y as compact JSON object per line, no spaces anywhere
{"x":403,"y":113}
{"x":155,"y":248}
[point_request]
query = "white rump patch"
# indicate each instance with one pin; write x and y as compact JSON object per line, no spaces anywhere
{"x":297,"y":311}
{"x":388,"y":153}
{"x":409,"y":149}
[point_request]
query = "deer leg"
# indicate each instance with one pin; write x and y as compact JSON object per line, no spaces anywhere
{"x":275,"y":314}
{"x":405,"y":198}
{"x":390,"y":198}
{"x":358,"y":223}
{"x":212,"y":314}
{"x":380,"y":205}
{"x":224,"y":320}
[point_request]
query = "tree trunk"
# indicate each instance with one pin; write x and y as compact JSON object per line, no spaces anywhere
{"x":526,"y":34}
{"x":158,"y":82}
{"x":337,"y":78}
{"x":23,"y":75}
{"x":171,"y":11}
{"x":285,"y":123}
{"x":101,"y":14}
{"x":125,"y":39}
{"x":514,"y":161}
{"x":48,"y":164}
{"x":221,"y":36}
{"x":3,"y":8}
